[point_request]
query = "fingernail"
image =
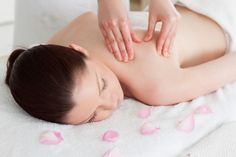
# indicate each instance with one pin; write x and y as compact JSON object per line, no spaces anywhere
{"x":118,"y":58}
{"x":125,"y":58}
{"x":131,"y":57}
{"x":166,"y":53}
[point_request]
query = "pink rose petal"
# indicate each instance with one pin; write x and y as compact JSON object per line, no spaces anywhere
{"x":203,"y":109}
{"x":114,"y":152}
{"x":110,"y":136}
{"x":187,"y":124}
{"x":148,"y":129}
{"x":188,"y":155}
{"x":51,"y":138}
{"x":145,"y":113}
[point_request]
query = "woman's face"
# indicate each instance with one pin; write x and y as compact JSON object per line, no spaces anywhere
{"x":96,"y":95}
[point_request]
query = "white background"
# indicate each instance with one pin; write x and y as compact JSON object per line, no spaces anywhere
{"x":6,"y":26}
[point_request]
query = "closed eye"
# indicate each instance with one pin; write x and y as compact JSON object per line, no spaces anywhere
{"x":93,"y":117}
{"x":104,"y":84}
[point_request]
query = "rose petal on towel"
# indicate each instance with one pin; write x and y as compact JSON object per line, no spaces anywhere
{"x":51,"y":138}
{"x":187,"y":124}
{"x":145,"y":113}
{"x":149,"y":129}
{"x":188,"y":155}
{"x":110,"y":136}
{"x":203,"y":109}
{"x":114,"y":152}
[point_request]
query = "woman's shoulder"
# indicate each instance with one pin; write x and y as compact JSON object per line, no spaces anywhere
{"x":80,"y":24}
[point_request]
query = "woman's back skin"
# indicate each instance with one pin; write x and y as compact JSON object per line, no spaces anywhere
{"x":158,"y":80}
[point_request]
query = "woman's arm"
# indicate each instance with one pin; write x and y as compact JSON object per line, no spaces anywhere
{"x":195,"y":81}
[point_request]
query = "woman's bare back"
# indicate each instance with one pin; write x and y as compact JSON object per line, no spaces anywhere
{"x":198,"y":40}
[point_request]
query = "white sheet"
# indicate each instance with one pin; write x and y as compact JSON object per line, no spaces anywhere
{"x":220,"y":143}
{"x":19,"y":133}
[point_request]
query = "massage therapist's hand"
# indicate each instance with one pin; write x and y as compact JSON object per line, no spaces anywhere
{"x":115,"y":27}
{"x":164,"y":11}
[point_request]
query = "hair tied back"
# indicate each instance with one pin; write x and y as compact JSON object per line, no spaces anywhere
{"x":11,"y":60}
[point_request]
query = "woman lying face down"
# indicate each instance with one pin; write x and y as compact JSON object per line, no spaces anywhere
{"x":57,"y":83}
{"x":97,"y":94}
{"x":73,"y":85}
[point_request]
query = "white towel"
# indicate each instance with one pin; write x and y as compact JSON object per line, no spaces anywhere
{"x":19,"y":132}
{"x":220,"y":143}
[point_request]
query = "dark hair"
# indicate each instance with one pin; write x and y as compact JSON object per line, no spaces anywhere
{"x":41,"y":80}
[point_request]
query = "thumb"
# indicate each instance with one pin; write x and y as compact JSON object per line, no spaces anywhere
{"x":151,"y":28}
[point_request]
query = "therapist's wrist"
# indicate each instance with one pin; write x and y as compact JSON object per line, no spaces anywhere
{"x":105,"y":4}
{"x":108,"y":1}
{"x":99,"y":1}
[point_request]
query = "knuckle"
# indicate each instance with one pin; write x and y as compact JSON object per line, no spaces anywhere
{"x":107,"y":41}
{"x":152,"y":20}
{"x":122,"y":22}
{"x":105,"y":25}
{"x":128,"y":49}
{"x":112,"y":41}
{"x":123,"y":51}
{"x":127,"y":40}
{"x":120,"y":41}
{"x":175,"y":18}
{"x":112,"y":24}
{"x":116,"y":52}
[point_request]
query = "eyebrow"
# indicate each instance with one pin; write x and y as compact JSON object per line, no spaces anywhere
{"x":91,"y":116}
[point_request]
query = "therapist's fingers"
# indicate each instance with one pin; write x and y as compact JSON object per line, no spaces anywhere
{"x":170,"y":49}
{"x":104,"y":33}
{"x":151,"y":29}
{"x":113,"y":44}
{"x":171,"y":38}
{"x":106,"y":39}
{"x":127,"y":39}
{"x":134,"y":37}
{"x":108,"y":46}
{"x":121,"y":44}
{"x":165,"y":48}
{"x":165,"y":29}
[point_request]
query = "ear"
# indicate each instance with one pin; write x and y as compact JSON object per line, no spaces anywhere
{"x":79,"y":49}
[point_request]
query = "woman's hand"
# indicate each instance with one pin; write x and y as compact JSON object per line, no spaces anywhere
{"x":164,"y":11}
{"x":115,"y":27}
